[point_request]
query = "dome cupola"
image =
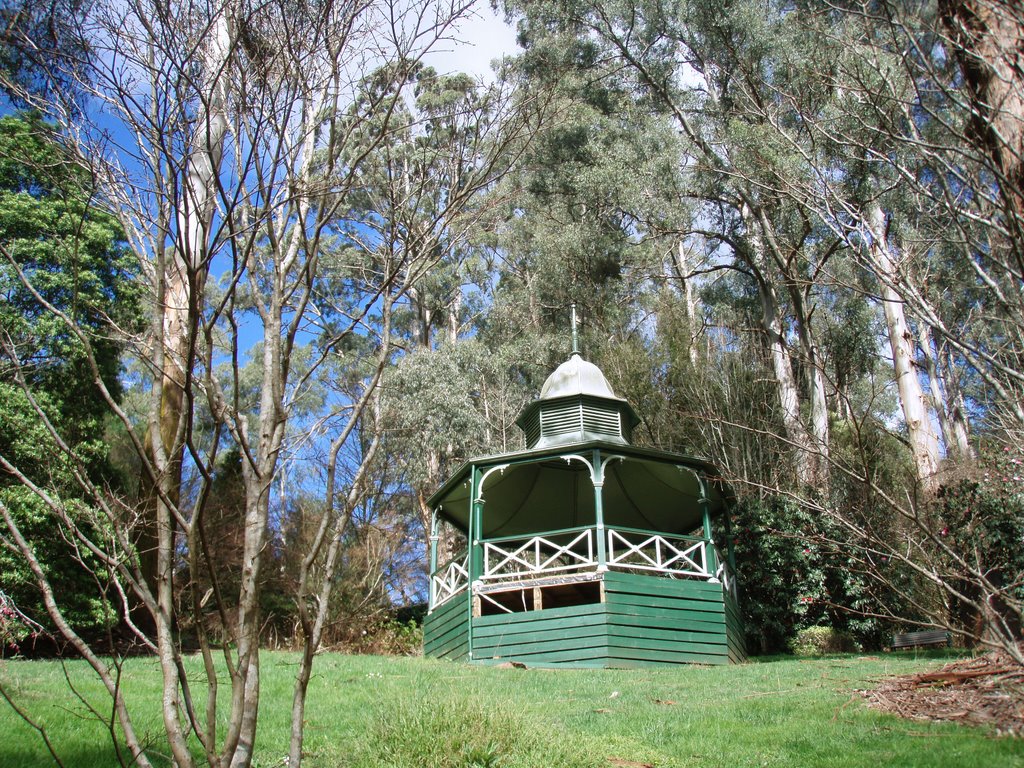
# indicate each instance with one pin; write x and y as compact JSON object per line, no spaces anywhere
{"x":577,"y":404}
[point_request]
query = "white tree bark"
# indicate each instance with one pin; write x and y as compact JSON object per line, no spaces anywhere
{"x":924,"y":444}
{"x":773,"y":326}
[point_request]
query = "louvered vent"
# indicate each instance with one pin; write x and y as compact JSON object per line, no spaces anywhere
{"x":564,"y":419}
{"x":532,"y":431}
{"x":601,"y":421}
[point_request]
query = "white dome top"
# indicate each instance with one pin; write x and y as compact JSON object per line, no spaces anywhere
{"x":576,"y":377}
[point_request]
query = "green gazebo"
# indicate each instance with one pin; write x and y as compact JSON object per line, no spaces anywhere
{"x":582,"y":550}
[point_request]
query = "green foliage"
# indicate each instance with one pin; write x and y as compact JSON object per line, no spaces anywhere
{"x":980,"y":515}
{"x":75,"y":259}
{"x":798,"y":569}
{"x":779,"y":578}
{"x":818,"y":641}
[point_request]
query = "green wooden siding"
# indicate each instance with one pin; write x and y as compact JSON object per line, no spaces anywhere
{"x":574,"y":633}
{"x":644,"y":621}
{"x":446,"y":630}
{"x":736,"y":634}
{"x":664,"y":621}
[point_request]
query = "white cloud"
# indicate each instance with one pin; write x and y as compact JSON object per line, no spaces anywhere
{"x":476,"y":41}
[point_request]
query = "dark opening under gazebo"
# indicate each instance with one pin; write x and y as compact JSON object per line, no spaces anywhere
{"x":583,"y":550}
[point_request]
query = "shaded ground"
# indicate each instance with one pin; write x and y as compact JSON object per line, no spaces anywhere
{"x":986,"y":691}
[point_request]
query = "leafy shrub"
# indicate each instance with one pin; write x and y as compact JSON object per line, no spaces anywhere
{"x":980,"y":516}
{"x":816,"y":641}
{"x":390,"y":637}
{"x":796,"y":570}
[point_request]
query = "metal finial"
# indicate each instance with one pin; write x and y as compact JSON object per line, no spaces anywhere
{"x":575,"y":333}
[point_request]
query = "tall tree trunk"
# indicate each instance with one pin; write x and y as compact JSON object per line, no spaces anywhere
{"x":923,"y":442}
{"x":682,"y":270}
{"x":954,"y":428}
{"x":955,"y":403}
{"x":988,"y":42}
{"x":773,"y":326}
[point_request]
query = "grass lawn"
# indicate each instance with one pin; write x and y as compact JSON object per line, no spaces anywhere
{"x":376,"y":711}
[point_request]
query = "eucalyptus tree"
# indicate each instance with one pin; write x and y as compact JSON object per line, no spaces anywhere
{"x":710,"y":70}
{"x":946,"y":251}
{"x":423,"y":194}
{"x":227,"y":138}
{"x":583,"y":218}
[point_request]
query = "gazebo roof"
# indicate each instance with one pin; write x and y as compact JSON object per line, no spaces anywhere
{"x":576,"y":404}
{"x":577,"y":376}
{"x":540,"y":490}
{"x":578,"y":436}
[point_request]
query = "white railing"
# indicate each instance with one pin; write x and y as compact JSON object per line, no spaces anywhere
{"x":654,"y":552}
{"x":573,"y":550}
{"x":724,"y":575}
{"x":539,"y":554}
{"x":448,"y":580}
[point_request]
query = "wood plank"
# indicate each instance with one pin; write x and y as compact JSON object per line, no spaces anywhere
{"x":457,"y":603}
{"x":677,"y":620}
{"x":653,"y":663}
{"x":437,"y":643}
{"x":701,"y":617}
{"x":453,"y":653}
{"x":586,"y":637}
{"x":443,"y":637}
{"x":670,"y":635}
{"x":598,"y":662}
{"x":626,"y":653}
{"x":527,"y":616}
{"x":454,"y":609}
{"x":540,"y":624}
{"x":671,"y":603}
{"x":434,"y":628}
{"x":563,"y":655}
{"x":659,"y":585}
{"x":429,"y":633}
{"x":640,"y":640}
{"x":454,"y":646}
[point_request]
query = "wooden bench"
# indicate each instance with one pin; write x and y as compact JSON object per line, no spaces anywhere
{"x":919,"y":639}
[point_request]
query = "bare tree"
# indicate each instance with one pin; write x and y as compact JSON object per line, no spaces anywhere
{"x":228,"y":139}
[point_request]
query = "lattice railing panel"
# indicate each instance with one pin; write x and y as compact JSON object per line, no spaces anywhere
{"x":655,"y":552}
{"x":450,"y":579}
{"x":538,"y":554}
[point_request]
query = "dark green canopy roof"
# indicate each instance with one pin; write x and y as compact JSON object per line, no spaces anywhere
{"x":540,"y":491}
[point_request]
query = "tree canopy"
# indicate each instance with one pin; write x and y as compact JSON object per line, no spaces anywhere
{"x":270,"y":277}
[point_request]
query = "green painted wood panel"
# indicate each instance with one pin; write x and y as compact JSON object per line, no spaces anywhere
{"x":542,"y":645}
{"x":439,"y":625}
{"x":624,"y":652}
{"x":656,"y":585}
{"x":663,"y":619}
{"x":644,"y":621}
{"x":529,"y":616}
{"x":710,"y":639}
{"x":541,"y":624}
{"x":638,"y":638}
{"x":597,"y":653}
{"x":564,"y":630}
{"x":446,"y":630}
{"x":702,"y":609}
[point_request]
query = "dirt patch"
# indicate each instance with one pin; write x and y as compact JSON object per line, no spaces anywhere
{"x":987,"y":691}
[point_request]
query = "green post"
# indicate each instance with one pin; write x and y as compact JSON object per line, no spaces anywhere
{"x":475,"y":564}
{"x":730,"y":553}
{"x":705,"y":511}
{"x":600,"y":532}
{"x":433,"y":558}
